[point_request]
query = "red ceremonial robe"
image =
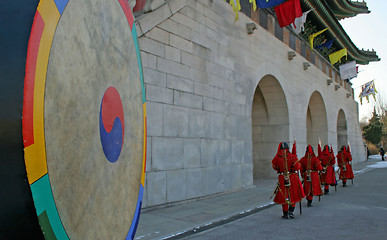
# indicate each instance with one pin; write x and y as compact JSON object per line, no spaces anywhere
{"x":287,"y":12}
{"x":293,"y":193}
{"x":343,"y":159}
{"x":327,"y":161}
{"x":310,"y":163}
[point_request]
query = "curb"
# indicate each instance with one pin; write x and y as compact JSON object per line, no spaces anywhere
{"x":219,"y":222}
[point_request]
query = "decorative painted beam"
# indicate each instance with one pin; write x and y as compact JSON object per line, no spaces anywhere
{"x":327,"y":18}
{"x":347,"y":8}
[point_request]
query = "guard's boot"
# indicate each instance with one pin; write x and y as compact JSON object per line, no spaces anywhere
{"x":285,"y":216}
{"x":326,"y":191}
{"x":291,"y":210}
{"x":344,"y":184}
{"x":309,"y":203}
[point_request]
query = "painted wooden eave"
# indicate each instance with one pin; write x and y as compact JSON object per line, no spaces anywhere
{"x":327,"y":18}
{"x":346,"y":8}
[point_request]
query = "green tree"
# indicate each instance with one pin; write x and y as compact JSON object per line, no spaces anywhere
{"x":374,"y":130}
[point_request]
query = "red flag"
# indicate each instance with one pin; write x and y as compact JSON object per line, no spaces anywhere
{"x":288,"y":11}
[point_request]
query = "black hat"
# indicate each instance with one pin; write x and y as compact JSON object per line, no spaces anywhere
{"x":284,"y":145}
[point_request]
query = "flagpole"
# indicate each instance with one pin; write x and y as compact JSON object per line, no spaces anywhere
{"x":363,"y":84}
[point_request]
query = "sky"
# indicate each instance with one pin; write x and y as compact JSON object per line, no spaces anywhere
{"x":369,"y":31}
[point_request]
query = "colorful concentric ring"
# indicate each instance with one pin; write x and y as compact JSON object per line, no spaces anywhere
{"x":42,"y":33}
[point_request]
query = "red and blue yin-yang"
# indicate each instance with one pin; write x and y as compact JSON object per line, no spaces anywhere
{"x":111,"y":124}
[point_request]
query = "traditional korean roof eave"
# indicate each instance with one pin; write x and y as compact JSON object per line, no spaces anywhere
{"x":327,"y":19}
{"x":347,"y":8}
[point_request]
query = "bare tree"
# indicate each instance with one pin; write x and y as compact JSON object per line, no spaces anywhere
{"x":381,"y":104}
{"x":381,"y":109}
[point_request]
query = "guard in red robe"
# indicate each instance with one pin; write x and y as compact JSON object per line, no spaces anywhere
{"x":343,"y":160}
{"x":289,"y":188}
{"x":327,"y":175}
{"x":310,"y":167}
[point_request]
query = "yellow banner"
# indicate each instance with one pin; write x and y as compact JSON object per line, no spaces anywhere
{"x":336,"y":56}
{"x":254,"y":4}
{"x":312,"y":36}
{"x":236,"y":7}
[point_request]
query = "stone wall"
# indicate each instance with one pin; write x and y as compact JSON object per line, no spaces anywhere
{"x":220,"y":100}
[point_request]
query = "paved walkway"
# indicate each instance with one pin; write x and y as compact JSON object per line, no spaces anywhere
{"x":194,"y":216}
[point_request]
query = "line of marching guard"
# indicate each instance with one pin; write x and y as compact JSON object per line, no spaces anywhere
{"x":315,"y":171}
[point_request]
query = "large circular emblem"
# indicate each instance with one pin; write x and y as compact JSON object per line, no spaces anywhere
{"x":111,"y":124}
{"x":84,"y":121}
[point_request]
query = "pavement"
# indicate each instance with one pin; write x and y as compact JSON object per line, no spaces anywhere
{"x":190,"y":217}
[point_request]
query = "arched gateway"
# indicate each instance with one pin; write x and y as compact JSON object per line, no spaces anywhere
{"x":270,"y":124}
{"x":316,"y":121}
{"x":341,"y":130}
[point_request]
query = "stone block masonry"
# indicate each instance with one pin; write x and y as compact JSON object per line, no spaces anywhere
{"x":202,"y":72}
